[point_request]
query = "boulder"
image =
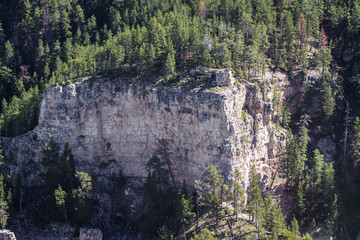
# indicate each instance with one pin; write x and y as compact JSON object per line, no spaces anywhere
{"x":90,"y":234}
{"x":7,"y":235}
{"x":224,"y":78}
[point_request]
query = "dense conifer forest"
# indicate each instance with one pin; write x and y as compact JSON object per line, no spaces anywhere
{"x":56,"y":42}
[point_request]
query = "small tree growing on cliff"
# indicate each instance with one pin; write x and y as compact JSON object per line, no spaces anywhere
{"x":60,"y":196}
{"x":1,"y":156}
{"x":82,"y":204}
{"x":84,"y":190}
{"x":50,"y":161}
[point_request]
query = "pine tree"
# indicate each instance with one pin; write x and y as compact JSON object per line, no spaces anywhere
{"x":9,"y":54}
{"x":237,"y":193}
{"x":292,"y":163}
{"x":273,"y":217}
{"x":255,"y":201}
{"x":323,"y":57}
{"x":65,"y":25}
{"x":2,"y":34}
{"x":50,"y":158}
{"x":67,"y":50}
{"x":210,"y":190}
{"x":67,"y":165}
{"x":204,"y":234}
{"x":169,"y":64}
{"x":184,"y":210}
{"x":328,"y":103}
{"x":300,"y":207}
{"x":78,"y":17}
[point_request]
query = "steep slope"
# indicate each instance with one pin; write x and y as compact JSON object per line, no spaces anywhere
{"x":113,"y":126}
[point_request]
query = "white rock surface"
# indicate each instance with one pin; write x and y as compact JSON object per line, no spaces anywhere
{"x":112,"y":126}
{"x":7,"y":235}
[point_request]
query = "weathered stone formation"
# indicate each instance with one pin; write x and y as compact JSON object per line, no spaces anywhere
{"x":113,"y":126}
{"x":90,"y":234}
{"x":224,"y":78}
{"x":7,"y":235}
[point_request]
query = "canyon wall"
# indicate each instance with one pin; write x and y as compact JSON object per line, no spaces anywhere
{"x":112,"y":126}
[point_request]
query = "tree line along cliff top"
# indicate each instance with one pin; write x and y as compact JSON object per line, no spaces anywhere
{"x":53,"y":42}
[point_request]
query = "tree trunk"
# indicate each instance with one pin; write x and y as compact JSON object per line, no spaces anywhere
{"x":184,"y":232}
{"x":65,"y":215}
{"x":20,"y":199}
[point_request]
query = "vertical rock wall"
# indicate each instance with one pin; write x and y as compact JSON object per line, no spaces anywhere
{"x":112,"y":126}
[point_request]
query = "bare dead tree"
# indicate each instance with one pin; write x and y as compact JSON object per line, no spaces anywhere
{"x":163,"y":150}
{"x":345,"y":168}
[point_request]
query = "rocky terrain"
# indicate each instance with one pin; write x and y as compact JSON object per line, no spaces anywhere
{"x":114,"y":127}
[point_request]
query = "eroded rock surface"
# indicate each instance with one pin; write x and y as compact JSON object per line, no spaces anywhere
{"x":113,"y":126}
{"x":90,"y":234}
{"x":7,"y":235}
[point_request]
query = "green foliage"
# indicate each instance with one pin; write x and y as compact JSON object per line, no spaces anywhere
{"x":204,"y":234}
{"x":60,"y":196}
{"x":323,"y":59}
{"x":244,"y":138}
{"x":255,"y":201}
{"x":20,"y":114}
{"x":57,"y":41}
{"x":294,"y":158}
{"x":355,"y":141}
{"x":67,"y":168}
{"x":256,"y":87}
{"x":312,"y":182}
{"x":159,"y":198}
{"x":236,"y":193}
{"x":83,"y":191}
{"x":210,"y":191}
{"x":286,"y":115}
{"x":5,"y":198}
{"x":243,"y":115}
{"x":256,"y":127}
{"x":328,"y":102}
{"x":50,"y":161}
{"x":63,"y":40}
{"x":71,"y":191}
{"x":273,"y":217}
{"x":1,"y":156}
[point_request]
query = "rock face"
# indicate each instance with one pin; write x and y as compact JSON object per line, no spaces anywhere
{"x":112,"y":126}
{"x":224,"y":78}
{"x":7,"y":235}
{"x":90,"y":234}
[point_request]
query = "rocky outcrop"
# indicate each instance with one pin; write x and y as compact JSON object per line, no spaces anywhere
{"x":224,"y":78}
{"x":90,"y":234}
{"x":114,"y":127}
{"x":7,"y":235}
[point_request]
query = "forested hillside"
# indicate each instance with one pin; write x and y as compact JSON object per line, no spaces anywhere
{"x":57,"y":42}
{"x":53,"y":42}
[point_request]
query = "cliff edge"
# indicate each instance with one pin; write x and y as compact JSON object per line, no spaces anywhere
{"x":112,"y":127}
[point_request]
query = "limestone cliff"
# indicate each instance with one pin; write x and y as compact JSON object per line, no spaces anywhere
{"x":112,"y":126}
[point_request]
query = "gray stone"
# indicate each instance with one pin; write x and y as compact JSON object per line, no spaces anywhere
{"x":327,"y":147}
{"x":7,"y":235}
{"x":224,"y":78}
{"x":90,"y":234}
{"x":348,"y":54}
{"x":111,"y":132}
